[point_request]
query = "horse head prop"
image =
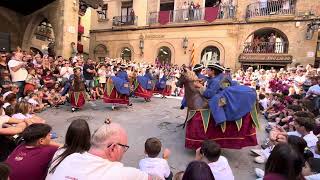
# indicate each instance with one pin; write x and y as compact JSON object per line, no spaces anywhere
{"x":192,"y":94}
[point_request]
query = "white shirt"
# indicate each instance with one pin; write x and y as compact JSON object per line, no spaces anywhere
{"x":315,"y":89}
{"x":311,"y":140}
{"x":155,"y":166}
{"x":264,"y":103}
{"x":221,"y":169}
{"x":66,"y":72}
{"x":21,"y":74}
{"x":21,"y":116}
{"x":90,"y":167}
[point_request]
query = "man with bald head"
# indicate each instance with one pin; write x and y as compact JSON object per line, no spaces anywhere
{"x":108,"y":144}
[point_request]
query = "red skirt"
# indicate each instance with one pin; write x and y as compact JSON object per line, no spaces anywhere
{"x":141,"y":92}
{"x":231,"y":138}
{"x":165,"y":92}
{"x":116,"y":98}
{"x":77,"y":99}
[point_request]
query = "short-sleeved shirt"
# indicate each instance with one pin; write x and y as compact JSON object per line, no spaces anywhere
{"x":155,"y":166}
{"x":221,"y":169}
{"x":30,"y":163}
{"x":20,"y":75}
{"x":87,"y":166}
{"x":87,"y":75}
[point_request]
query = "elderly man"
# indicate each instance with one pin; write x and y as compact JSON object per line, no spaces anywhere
{"x":108,"y":144}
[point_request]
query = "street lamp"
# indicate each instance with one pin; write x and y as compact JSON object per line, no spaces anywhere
{"x":185,"y":44}
{"x":141,"y":44}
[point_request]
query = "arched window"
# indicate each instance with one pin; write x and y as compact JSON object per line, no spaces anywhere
{"x":267,"y":40}
{"x":126,"y":54}
{"x":210,"y":55}
{"x":164,"y":55}
{"x":100,"y":52}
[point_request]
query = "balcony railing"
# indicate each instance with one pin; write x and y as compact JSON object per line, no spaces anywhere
{"x":271,"y":7}
{"x":187,"y":15}
{"x":124,"y":20}
{"x":266,"y":47}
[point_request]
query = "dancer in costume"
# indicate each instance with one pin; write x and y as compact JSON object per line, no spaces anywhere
{"x":197,"y":69}
{"x":222,"y":111}
{"x":117,"y":89}
{"x":77,"y":91}
{"x":143,"y":85}
{"x":162,"y":87}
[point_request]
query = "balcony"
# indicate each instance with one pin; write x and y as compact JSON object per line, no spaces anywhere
{"x":124,"y":21}
{"x":80,"y":29}
{"x":266,"y":53}
{"x":271,"y":9}
{"x":196,"y":15}
{"x":266,"y":47}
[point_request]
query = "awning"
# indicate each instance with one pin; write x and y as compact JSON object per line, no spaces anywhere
{"x":265,"y":58}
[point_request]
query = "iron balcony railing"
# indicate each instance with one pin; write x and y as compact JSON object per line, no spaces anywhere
{"x":196,"y":14}
{"x":271,"y":7}
{"x":266,"y":47}
{"x":124,"y":20}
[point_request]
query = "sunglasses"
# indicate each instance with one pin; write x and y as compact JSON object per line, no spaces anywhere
{"x":125,"y":147}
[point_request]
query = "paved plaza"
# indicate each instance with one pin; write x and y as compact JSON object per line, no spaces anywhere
{"x":158,"y":118}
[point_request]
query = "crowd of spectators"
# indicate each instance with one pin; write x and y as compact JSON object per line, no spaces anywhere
{"x":30,"y":83}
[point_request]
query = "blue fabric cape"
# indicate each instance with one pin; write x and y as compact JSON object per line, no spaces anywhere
{"x":121,"y":85}
{"x":239,"y":101}
{"x":161,"y":84}
{"x":145,"y":82}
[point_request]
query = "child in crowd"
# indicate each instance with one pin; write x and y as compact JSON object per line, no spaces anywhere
{"x":34,"y":101}
{"x":31,"y":81}
{"x":22,"y":110}
{"x":55,"y":99}
{"x":152,"y":164}
{"x":210,"y":151}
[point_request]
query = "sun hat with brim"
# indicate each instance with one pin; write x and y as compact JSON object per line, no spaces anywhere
{"x":197,"y":67}
{"x":216,"y":66}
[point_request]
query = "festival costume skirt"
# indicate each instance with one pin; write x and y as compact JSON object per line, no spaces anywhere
{"x":77,"y":99}
{"x":231,"y":135}
{"x":165,"y":92}
{"x":115,"y":98}
{"x":141,"y":92}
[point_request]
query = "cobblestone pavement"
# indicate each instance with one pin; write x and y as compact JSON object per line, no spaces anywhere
{"x":158,"y":118}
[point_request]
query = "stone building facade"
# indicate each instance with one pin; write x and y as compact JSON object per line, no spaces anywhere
{"x":58,"y":22}
{"x":169,"y":31}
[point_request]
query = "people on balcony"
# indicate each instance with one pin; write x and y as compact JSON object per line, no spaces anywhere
{"x":265,"y":44}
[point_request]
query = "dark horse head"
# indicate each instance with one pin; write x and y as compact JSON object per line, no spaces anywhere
{"x":194,"y":99}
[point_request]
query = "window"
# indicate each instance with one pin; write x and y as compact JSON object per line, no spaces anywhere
{"x":103,"y":13}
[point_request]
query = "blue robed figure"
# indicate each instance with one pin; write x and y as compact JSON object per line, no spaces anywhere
{"x":146,"y":80}
{"x":228,"y":101}
{"x":197,"y":70}
{"x":161,"y":84}
{"x":121,"y":81}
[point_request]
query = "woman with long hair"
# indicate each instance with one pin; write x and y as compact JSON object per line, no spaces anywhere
{"x":284,"y":163}
{"x":77,"y":140}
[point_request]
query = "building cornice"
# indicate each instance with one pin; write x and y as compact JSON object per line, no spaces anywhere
{"x":176,"y":25}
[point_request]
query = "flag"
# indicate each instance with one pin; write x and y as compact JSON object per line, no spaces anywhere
{"x":192,"y":61}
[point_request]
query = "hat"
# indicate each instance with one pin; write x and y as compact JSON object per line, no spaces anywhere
{"x":227,"y":69}
{"x":216,"y":66}
{"x":197,"y":67}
